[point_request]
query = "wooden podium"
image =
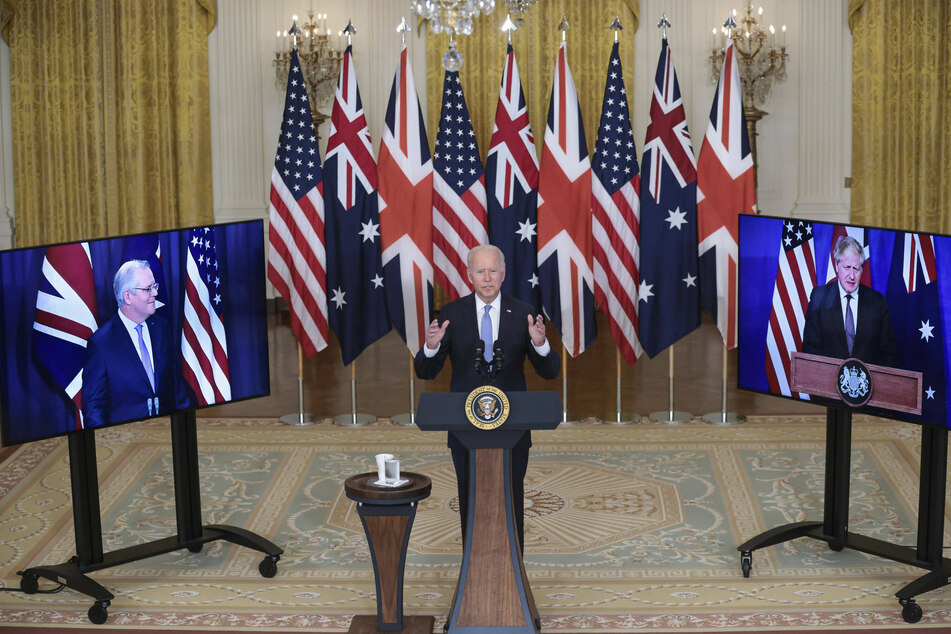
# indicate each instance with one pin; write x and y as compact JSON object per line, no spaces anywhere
{"x":892,"y":388}
{"x":895,"y":390}
{"x":492,"y":594}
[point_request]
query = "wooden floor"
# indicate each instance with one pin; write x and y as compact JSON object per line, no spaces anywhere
{"x":382,"y":380}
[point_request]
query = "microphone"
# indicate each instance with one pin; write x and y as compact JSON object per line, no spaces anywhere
{"x":478,"y":357}
{"x":497,"y":356}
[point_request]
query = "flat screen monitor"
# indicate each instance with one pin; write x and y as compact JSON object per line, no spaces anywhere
{"x":793,"y":298}
{"x":108,"y":331}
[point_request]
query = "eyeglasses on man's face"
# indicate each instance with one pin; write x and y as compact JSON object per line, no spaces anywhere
{"x":148,"y":289}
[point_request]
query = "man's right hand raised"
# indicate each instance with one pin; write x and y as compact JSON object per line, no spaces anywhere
{"x":435,"y":333}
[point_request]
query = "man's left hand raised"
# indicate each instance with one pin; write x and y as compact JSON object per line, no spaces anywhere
{"x":536,"y":330}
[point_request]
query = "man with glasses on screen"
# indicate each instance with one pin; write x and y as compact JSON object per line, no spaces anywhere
{"x":130,"y":369}
{"x":846,"y":318}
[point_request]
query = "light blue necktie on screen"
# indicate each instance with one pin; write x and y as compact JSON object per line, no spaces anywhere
{"x":144,"y":355}
{"x":487,"y":333}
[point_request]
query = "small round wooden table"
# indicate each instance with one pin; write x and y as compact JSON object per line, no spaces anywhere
{"x":387,"y":514}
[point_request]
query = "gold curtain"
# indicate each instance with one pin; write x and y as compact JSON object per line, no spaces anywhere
{"x":536,"y":45}
{"x":110,"y":113}
{"x":901,"y":114}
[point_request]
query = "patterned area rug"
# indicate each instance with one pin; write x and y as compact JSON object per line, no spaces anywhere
{"x":628,"y":528}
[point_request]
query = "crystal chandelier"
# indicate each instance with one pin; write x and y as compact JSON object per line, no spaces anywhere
{"x":320,"y":54}
{"x":455,"y":18}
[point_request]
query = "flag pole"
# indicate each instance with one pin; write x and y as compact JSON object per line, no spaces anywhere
{"x":618,"y":417}
{"x":409,"y":419}
{"x":670,"y":416}
{"x":723,"y":417}
{"x":353,"y":419}
{"x":300,"y":418}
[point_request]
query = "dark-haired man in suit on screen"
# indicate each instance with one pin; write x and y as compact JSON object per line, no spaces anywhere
{"x":846,"y":318}
{"x":488,"y":316}
{"x":129,"y":370}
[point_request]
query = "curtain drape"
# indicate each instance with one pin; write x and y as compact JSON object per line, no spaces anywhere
{"x":535,"y":45}
{"x":901,"y":114}
{"x":110,"y":114}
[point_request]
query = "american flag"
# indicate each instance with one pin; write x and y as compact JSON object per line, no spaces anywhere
{"x":459,"y":215}
{"x":204,"y":342}
{"x":296,"y":262}
{"x":354,"y":266}
{"x":725,"y":188}
{"x":564,"y":217}
{"x":65,"y":318}
{"x":405,"y":173}
{"x":511,"y":178}
{"x":616,"y":221}
{"x":668,"y":296}
{"x":795,"y":281}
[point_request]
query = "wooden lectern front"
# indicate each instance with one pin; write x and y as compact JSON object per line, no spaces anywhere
{"x":892,"y":388}
{"x":492,"y":594}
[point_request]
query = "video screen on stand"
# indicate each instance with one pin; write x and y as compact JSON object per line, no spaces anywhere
{"x":826,"y":292}
{"x":108,"y":331}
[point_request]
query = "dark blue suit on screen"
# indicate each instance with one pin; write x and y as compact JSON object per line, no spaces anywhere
{"x":115,"y":385}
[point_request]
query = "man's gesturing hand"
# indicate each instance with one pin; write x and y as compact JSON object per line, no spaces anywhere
{"x":435,"y":333}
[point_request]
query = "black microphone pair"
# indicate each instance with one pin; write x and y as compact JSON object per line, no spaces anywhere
{"x":487,"y":369}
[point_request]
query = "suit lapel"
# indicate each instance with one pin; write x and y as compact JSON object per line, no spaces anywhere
{"x":505,"y":318}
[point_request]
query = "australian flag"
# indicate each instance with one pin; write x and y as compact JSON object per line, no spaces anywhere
{"x":914,"y":295}
{"x":357,"y":305}
{"x":669,"y":297}
{"x":511,"y":183}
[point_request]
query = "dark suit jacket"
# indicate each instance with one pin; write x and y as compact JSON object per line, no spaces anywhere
{"x":460,"y":341}
{"x":824,"y":331}
{"x":115,"y":385}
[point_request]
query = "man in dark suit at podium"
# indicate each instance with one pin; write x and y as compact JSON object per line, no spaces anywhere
{"x":848,"y":319}
{"x":499,"y":322}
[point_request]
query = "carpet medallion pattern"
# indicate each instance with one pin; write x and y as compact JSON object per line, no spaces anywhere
{"x":628,"y":528}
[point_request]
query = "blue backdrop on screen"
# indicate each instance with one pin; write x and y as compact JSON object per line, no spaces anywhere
{"x":34,"y":392}
{"x":912,"y":271}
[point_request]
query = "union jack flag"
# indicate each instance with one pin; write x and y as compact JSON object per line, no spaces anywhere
{"x":405,"y":173}
{"x":511,"y":177}
{"x":725,"y":188}
{"x":668,"y":296}
{"x":564,"y":217}
{"x":459,"y":215}
{"x":65,"y":318}
{"x":354,"y":266}
{"x":616,"y":221}
{"x":297,"y":260}
{"x":204,"y":342}
{"x":795,"y":281}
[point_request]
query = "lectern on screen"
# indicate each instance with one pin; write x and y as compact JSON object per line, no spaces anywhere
{"x":52,"y":299}
{"x":782,"y":261}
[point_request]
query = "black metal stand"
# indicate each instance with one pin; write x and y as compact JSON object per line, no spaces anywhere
{"x":834,"y":528}
{"x":88,"y":525}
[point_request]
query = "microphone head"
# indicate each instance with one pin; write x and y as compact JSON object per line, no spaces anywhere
{"x":480,"y":348}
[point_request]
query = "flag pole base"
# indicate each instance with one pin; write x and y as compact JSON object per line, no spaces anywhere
{"x":354,"y":420}
{"x":297,"y":420}
{"x":723,"y":418}
{"x":571,"y":418}
{"x":404,"y":419}
{"x":671,"y":417}
{"x":620,"y":418}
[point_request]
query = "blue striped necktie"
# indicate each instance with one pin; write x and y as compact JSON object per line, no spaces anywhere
{"x":486,"y":332}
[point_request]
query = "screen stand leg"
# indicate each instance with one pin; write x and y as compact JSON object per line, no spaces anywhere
{"x":88,"y":526}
